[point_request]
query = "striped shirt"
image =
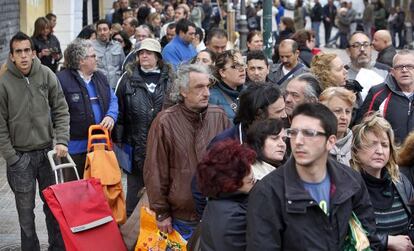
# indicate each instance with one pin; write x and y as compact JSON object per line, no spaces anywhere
{"x":393,"y":220}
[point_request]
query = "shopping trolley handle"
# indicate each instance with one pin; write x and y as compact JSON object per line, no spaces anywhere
{"x":55,"y":167}
{"x":59,"y":167}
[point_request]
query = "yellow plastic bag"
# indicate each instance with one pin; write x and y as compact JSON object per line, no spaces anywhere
{"x":150,"y":238}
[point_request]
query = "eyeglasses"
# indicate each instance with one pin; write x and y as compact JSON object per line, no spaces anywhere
{"x":238,"y":67}
{"x":307,"y":133}
{"x":358,"y":45}
{"x":408,"y":67}
{"x":21,"y":51}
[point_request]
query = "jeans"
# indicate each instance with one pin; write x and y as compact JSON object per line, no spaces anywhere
{"x":185,"y":228}
{"x":315,"y":28}
{"x":328,"y":30}
{"x":22,"y":176}
{"x":367,"y":29}
{"x":135,"y":182}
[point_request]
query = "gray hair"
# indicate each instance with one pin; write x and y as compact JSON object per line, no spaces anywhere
{"x":312,"y":89}
{"x":182,"y":81}
{"x":400,"y":53}
{"x":76,"y":51}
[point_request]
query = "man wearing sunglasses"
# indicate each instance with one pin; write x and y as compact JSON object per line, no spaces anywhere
{"x":394,"y":98}
{"x":309,"y":200}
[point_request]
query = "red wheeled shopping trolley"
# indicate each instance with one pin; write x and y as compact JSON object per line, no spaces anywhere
{"x":83,"y":214}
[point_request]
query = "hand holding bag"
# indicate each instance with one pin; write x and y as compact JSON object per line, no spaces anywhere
{"x":150,"y":238}
{"x":357,"y":239}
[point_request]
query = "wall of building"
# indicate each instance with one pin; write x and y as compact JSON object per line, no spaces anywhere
{"x":30,"y":10}
{"x":9,"y":25}
{"x":69,"y":20}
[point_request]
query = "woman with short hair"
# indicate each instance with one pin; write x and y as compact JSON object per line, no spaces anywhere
{"x":225,"y":177}
{"x":341,"y":102}
{"x":267,"y":138}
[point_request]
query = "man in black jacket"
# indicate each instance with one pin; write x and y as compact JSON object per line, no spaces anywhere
{"x":393,"y":99}
{"x":383,"y":44}
{"x":316,"y":18}
{"x":309,"y":200}
{"x":329,"y":14}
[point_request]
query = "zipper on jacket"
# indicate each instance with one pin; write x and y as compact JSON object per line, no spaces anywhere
{"x":27,"y":80}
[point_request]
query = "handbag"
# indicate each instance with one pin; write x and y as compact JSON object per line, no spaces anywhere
{"x":130,"y":230}
{"x":150,"y":238}
{"x":357,"y":239}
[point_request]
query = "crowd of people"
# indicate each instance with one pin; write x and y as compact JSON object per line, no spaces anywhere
{"x":235,"y":149}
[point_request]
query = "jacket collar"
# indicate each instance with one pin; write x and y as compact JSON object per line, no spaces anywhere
{"x":192,"y":116}
{"x":234,"y":94}
{"x":386,"y":50}
{"x":298,"y":199}
{"x":393,"y":86}
{"x":343,"y":146}
{"x":137,"y":79}
{"x":17,"y":73}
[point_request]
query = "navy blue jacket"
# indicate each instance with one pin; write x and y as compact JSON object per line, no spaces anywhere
{"x":80,"y":108}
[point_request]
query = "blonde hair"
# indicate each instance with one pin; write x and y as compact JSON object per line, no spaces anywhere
{"x":320,"y":67}
{"x":377,"y":125}
{"x":151,"y":17}
{"x":339,"y":92}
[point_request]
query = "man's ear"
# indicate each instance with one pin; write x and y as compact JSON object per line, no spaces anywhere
{"x":183,"y":93}
{"x":222,"y":74}
{"x":11,"y":57}
{"x":297,"y":52}
{"x":330,"y":143}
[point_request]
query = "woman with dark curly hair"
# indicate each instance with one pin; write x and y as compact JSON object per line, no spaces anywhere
{"x":329,"y":69}
{"x":231,"y":75}
{"x":225,"y":177}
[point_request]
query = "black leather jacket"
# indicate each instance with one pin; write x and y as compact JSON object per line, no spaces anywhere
{"x":137,"y":109}
{"x":406,"y":192}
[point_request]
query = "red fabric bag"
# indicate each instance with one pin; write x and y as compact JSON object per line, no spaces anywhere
{"x":84,"y":216}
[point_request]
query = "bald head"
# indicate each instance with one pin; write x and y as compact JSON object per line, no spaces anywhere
{"x":289,"y":43}
{"x":381,"y":40}
{"x":288,"y":53}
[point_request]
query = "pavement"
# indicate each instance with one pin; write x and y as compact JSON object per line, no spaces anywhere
{"x":9,"y":224}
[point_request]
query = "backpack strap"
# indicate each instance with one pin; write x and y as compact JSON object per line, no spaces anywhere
{"x":297,"y":67}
